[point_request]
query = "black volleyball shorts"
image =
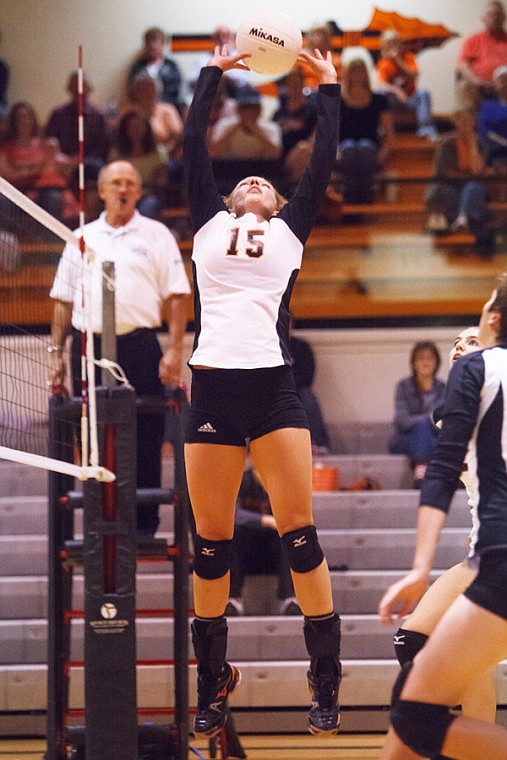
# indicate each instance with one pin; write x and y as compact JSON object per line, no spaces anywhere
{"x":230,"y":406}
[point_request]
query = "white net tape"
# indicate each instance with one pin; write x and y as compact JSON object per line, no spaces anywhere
{"x":30,"y":241}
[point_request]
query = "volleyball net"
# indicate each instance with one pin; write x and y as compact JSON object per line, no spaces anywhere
{"x":31,"y":244}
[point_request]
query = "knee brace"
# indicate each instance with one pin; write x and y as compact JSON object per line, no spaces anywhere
{"x":421,"y":726}
{"x":212,"y":558}
{"x":302,"y":549}
{"x":407,"y":644}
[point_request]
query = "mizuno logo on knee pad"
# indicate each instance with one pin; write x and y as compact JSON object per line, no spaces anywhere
{"x":212,"y":558}
{"x":302,"y":549}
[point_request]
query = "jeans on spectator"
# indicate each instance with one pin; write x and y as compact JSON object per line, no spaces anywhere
{"x":452,"y":199}
{"x":419,"y":102}
{"x":357,"y":164}
{"x":417,"y":443}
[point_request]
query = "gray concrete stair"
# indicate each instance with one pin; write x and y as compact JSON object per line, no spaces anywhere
{"x":368,"y":538}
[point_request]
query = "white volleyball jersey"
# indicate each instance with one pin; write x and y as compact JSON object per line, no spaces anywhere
{"x":245,"y":270}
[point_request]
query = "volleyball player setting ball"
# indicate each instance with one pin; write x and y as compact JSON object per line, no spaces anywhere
{"x":247,"y":254}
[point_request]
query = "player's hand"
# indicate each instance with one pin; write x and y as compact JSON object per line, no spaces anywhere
{"x":401,"y":597}
{"x":224,"y":61}
{"x":169,"y":368}
{"x":322,"y":67}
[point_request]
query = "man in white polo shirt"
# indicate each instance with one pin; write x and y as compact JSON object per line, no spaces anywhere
{"x":151,"y":287}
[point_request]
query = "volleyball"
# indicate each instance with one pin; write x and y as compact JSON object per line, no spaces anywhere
{"x":272,"y":39}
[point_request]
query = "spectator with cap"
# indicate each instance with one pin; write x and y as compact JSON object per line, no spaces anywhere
{"x":247,"y":134}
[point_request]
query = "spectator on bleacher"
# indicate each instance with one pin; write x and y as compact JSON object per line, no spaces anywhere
{"x":56,"y":173}
{"x":492,"y":121}
{"x":303,"y":368}
{"x":416,"y":397}
{"x":319,"y":37}
{"x":457,"y":200}
{"x":63,"y":123}
{"x":165,"y":119}
{"x":256,"y":547}
{"x":297,"y":117}
{"x":23,"y":158}
{"x":481,"y":53}
{"x":4,"y":83}
{"x":366,"y":133}
{"x":135,"y":142}
{"x":246,"y":135}
{"x":397,"y":74}
{"x":157,"y":65}
{"x":167,"y":126}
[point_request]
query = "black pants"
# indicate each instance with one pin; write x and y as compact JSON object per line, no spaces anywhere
{"x":256,"y":550}
{"x":138,"y":354}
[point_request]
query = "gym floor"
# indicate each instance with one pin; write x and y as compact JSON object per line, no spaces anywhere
{"x":261,"y":747}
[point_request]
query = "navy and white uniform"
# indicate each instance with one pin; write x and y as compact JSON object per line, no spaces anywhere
{"x":474,"y":427}
{"x":244,"y":273}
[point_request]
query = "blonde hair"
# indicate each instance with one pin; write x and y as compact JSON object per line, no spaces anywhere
{"x":279,"y":198}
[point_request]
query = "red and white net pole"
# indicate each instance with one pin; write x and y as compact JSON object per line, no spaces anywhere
{"x":89,"y":443}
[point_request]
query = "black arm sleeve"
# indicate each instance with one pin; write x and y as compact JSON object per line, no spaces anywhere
{"x":203,"y":196}
{"x":459,"y":415}
{"x":302,"y":208}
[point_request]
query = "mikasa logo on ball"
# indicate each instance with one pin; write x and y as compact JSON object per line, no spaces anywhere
{"x":261,"y":34}
{"x":272,"y":41}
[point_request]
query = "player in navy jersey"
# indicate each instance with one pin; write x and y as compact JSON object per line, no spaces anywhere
{"x":471,"y":637}
{"x":247,"y":253}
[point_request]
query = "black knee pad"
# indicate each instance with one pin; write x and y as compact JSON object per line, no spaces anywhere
{"x":407,"y":644}
{"x":421,"y":726}
{"x":302,"y":549}
{"x":212,"y":558}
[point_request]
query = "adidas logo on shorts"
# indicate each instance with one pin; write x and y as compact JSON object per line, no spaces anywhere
{"x":206,"y":428}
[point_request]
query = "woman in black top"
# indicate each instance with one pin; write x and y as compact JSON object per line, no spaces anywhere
{"x":366,"y":133}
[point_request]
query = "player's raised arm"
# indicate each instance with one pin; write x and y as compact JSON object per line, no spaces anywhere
{"x":224,"y":61}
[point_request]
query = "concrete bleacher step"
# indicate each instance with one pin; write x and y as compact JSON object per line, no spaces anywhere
{"x":390,"y":470}
{"x":22,"y":480}
{"x":250,"y":638}
{"x":389,"y":509}
{"x":369,"y":532}
{"x":277,"y":685}
{"x":344,"y":549}
{"x":355,"y":592}
{"x":22,"y":515}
